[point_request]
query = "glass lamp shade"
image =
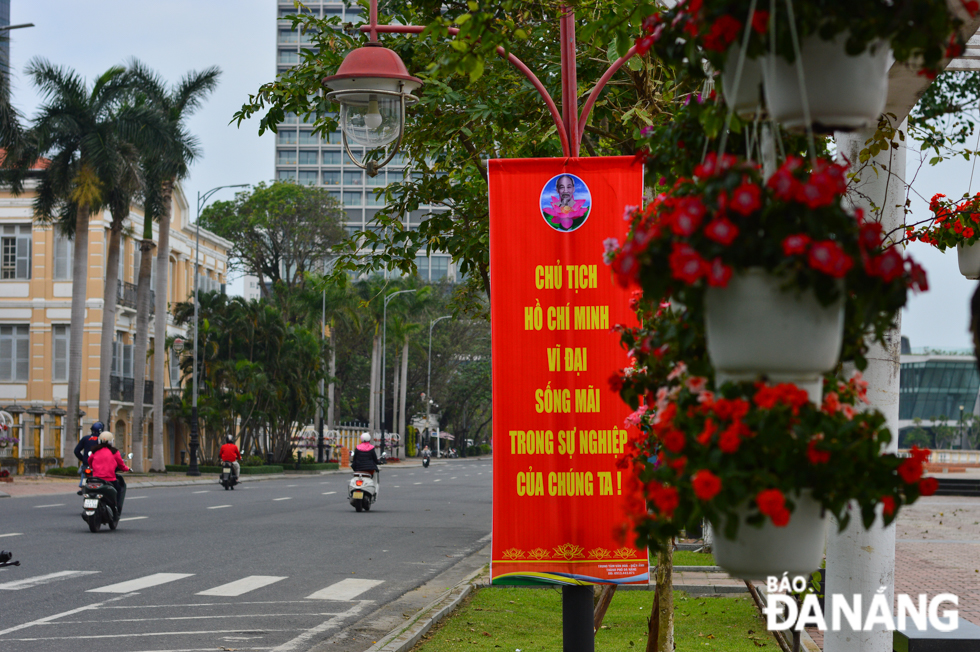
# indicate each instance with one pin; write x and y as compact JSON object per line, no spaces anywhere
{"x":371,"y":120}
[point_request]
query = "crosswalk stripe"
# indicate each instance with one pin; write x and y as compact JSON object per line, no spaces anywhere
{"x":286,"y":498}
{"x":141,"y":583}
{"x":345,"y":589}
{"x":30,"y":582}
{"x":133,"y":518}
{"x":242,"y":586}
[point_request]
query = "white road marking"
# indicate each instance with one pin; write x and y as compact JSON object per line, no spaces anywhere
{"x":453,"y":478}
{"x":54,"y":505}
{"x":286,"y":498}
{"x":242,"y":586}
{"x":327,"y":493}
{"x":396,"y":487}
{"x":133,"y":518}
{"x":47,"y":619}
{"x":291,"y":485}
{"x":219,"y":506}
{"x":12,"y":534}
{"x":204,"y":633}
{"x":202,"y":492}
{"x":30,"y":582}
{"x":135,"y":497}
{"x":141,"y":583}
{"x":438,"y":480}
{"x":418,"y":483}
{"x":345,"y":590}
{"x":303,"y":639}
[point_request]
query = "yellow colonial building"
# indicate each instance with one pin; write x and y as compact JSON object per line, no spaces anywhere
{"x":35,"y":312}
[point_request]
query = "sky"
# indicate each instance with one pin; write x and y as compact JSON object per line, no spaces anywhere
{"x":177,"y":36}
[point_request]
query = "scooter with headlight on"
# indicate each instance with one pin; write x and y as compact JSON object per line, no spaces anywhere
{"x":362,"y":490}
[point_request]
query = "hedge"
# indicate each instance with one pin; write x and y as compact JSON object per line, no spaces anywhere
{"x":182,"y":468}
{"x":65,"y":470}
{"x":324,"y":466}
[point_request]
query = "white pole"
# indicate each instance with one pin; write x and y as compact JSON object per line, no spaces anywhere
{"x":428,"y":385}
{"x":861,"y":561}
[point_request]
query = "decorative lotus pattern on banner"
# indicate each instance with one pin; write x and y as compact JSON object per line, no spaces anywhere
{"x":566,"y":214}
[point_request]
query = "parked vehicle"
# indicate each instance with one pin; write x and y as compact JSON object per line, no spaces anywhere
{"x":228,"y":480}
{"x":362,"y":490}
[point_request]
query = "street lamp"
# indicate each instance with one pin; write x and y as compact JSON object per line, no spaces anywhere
{"x":195,"y":441}
{"x":373,"y":87}
{"x":428,"y":382}
{"x":384,"y":350}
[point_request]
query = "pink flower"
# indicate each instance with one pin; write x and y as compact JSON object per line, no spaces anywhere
{"x":679,"y":370}
{"x":566,"y":214}
{"x":636,"y":417}
{"x":696,"y":384}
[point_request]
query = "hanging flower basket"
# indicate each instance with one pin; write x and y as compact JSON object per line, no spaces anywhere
{"x":764,"y":466}
{"x":797,"y":547}
{"x":843,"y":91}
{"x":692,"y":241}
{"x":755,"y":328}
{"x":745,"y":97}
{"x":953,"y":225}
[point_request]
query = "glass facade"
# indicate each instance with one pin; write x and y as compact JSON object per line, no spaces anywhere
{"x":936,"y":388}
{"x":308,"y":158}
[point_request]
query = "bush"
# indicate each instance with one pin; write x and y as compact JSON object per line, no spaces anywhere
{"x":253,"y":460}
{"x":63,"y":471}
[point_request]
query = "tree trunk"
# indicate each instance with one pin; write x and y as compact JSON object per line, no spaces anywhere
{"x":160,"y":329}
{"x":79,"y":283}
{"x":333,"y":374}
{"x":394,"y":399}
{"x":139,"y":348}
{"x":404,"y":396}
{"x":373,"y":401}
{"x":665,"y":606}
{"x":603,"y":600}
{"x":109,"y":298}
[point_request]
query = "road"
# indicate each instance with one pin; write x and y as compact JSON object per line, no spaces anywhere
{"x":273,"y":565}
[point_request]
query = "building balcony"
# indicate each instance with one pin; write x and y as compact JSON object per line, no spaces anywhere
{"x":126,"y":296}
{"x":122,"y":390}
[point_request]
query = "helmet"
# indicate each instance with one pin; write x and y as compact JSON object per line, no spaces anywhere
{"x":106,"y":438}
{"x":365,"y":437}
{"x":98,"y":427}
{"x":230,"y":439}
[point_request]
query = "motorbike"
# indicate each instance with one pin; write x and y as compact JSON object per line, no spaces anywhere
{"x":425,"y":460}
{"x":227,"y":479}
{"x":362,"y":491}
{"x":96,"y":509}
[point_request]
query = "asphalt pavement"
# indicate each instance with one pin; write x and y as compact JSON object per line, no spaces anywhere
{"x":275,"y":565}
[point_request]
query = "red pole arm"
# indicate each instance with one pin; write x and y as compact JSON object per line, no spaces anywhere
{"x":517,"y":63}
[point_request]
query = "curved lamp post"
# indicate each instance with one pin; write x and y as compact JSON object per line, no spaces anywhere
{"x":195,"y":439}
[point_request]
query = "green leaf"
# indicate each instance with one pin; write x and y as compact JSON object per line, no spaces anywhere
{"x":463,"y":18}
{"x":634,"y":63}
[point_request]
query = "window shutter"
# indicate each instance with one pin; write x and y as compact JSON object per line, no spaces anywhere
{"x":22,"y":349}
{"x":127,"y":361}
{"x":6,"y":352}
{"x":24,"y":253}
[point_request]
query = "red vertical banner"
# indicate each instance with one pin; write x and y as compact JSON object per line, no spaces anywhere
{"x":558,"y":428}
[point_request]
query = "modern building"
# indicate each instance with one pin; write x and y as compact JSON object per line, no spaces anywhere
{"x":35,"y":312}
{"x":305,"y":158}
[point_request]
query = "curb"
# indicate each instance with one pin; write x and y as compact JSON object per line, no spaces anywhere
{"x":405,"y":636}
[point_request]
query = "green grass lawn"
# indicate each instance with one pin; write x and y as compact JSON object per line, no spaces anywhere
{"x":510,"y":619}
{"x":689,"y":558}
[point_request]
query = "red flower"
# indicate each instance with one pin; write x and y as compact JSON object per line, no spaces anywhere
{"x":718,"y":274}
{"x":616,"y":382}
{"x":722,"y":33}
{"x":665,"y":498}
{"x":686,"y":265}
{"x":816,"y":456}
{"x":635,"y":297}
{"x":870,"y":237}
{"x":678,"y":464}
{"x":688,"y":216}
{"x":733,"y":409}
{"x":780,"y":518}
{"x":709,"y":429}
{"x":706,"y":484}
{"x":674,"y":441}
{"x":644,"y":43}
{"x":911,"y":470}
{"x":827,"y":256}
{"x":796,"y":244}
{"x":888,"y":266}
{"x":721,"y":231}
{"x":746,"y":198}
{"x":784,"y":185}
{"x":888,"y":505}
{"x":918,"y":275}
{"x":731,"y":437}
{"x":760,"y":21}
{"x":972,"y":7}
{"x":831,"y":403}
{"x":817,"y":192}
{"x":928,"y":486}
{"x":770,"y":501}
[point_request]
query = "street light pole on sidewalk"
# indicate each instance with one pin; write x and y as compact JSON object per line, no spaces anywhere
{"x":195,"y":433}
{"x":428,"y":385}
{"x":384,"y":341}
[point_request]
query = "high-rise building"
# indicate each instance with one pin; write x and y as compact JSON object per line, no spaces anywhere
{"x":4,"y":42}
{"x":306,"y":158}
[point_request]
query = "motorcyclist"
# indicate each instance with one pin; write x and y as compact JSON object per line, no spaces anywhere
{"x":365,"y":456}
{"x":84,"y":447}
{"x":229,"y":453}
{"x":106,"y":462}
{"x":426,"y":452}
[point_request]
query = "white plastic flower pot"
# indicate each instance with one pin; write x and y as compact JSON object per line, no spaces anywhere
{"x":968,"y":258}
{"x":755,"y":328}
{"x":844,"y":92}
{"x":746,"y":99}
{"x":757,"y":553}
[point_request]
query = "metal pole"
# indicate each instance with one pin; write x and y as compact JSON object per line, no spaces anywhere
{"x":384,"y":350}
{"x":323,"y":335}
{"x":192,"y":469}
{"x":576,"y":617}
{"x":428,"y":382}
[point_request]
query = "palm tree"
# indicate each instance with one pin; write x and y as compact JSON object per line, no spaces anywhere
{"x":168,"y":166}
{"x":401,"y":329}
{"x":82,"y":132}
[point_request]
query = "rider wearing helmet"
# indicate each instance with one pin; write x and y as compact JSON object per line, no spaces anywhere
{"x":84,"y":447}
{"x":106,"y":462}
{"x":365,"y":456}
{"x":230,"y":453}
